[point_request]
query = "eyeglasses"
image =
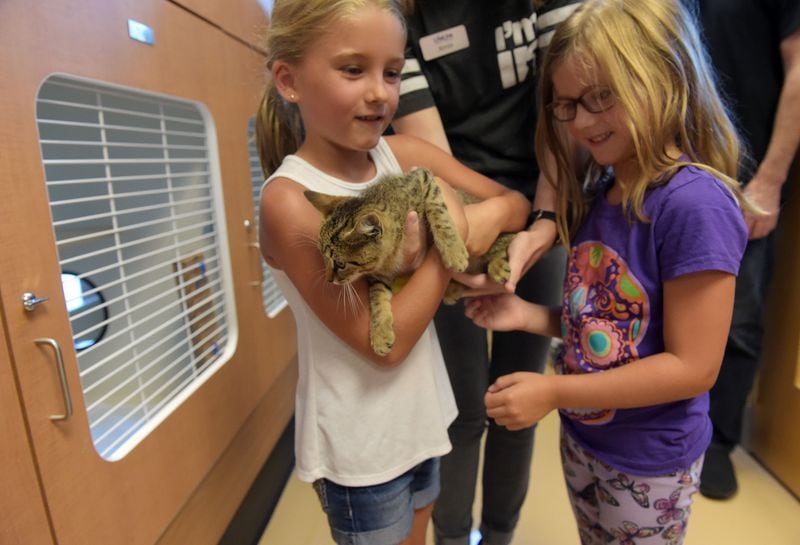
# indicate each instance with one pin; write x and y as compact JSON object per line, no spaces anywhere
{"x":593,"y":101}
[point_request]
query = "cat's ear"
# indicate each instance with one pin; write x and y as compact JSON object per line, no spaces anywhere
{"x":322,"y":202}
{"x":370,"y":225}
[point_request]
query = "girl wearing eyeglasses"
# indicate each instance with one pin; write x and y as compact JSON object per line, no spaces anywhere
{"x":655,"y":231}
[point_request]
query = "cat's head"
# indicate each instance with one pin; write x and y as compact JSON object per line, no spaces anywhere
{"x":355,"y":239}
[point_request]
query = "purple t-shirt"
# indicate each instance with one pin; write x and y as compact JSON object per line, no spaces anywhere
{"x":613,"y":312}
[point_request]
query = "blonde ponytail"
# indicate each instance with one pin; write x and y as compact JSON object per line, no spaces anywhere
{"x":279,"y":129}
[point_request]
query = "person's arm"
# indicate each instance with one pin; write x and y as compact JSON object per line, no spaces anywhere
{"x":531,"y":244}
{"x":696,"y":306}
{"x":765,"y":187}
{"x":417,"y":113}
{"x":527,"y":247}
{"x":508,"y":312}
{"x":501,"y":209}
{"x":425,"y":124}
{"x":289,"y":230}
{"x":524,"y":251}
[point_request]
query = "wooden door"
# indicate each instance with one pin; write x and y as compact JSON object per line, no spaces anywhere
{"x":243,"y":19}
{"x":23,"y":516}
{"x":776,"y":410}
{"x":92,"y":501}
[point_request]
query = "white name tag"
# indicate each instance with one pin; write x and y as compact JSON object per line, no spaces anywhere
{"x":444,"y":42}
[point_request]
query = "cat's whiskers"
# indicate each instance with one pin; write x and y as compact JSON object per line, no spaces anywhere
{"x":353,"y":298}
{"x":319,"y":276}
{"x":342,"y":302}
{"x":345,"y":299}
{"x":305,"y":239}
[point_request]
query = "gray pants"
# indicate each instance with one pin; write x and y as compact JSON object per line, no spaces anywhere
{"x":507,"y":455}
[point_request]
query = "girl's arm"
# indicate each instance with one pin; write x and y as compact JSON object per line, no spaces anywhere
{"x":289,"y":230}
{"x":502,"y":209}
{"x":527,"y":247}
{"x":697,"y":315}
{"x":425,"y":124}
{"x":530,"y":245}
{"x":508,"y":312}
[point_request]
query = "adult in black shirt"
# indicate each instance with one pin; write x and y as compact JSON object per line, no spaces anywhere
{"x":469,"y":87}
{"x":755,"y":47}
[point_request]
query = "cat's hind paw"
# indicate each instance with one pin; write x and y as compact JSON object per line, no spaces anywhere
{"x":383,"y":347}
{"x":453,"y":293}
{"x":381,"y":339}
{"x":499,"y":270}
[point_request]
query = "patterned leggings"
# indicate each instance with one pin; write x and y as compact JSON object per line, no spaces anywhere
{"x":612,"y":507}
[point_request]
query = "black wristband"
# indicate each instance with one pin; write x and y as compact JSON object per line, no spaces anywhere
{"x":539,"y":214}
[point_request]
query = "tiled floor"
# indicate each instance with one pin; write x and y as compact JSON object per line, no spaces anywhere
{"x":763,"y":512}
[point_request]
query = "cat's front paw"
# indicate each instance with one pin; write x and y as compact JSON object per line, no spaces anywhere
{"x":456,"y":258}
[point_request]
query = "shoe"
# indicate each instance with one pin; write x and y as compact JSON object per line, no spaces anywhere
{"x":718,"y":478}
{"x":475,"y":537}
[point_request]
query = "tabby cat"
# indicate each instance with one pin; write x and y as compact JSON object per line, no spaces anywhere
{"x":363,"y":236}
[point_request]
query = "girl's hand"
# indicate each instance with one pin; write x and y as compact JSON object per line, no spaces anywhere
{"x":519,"y":400}
{"x":527,"y":248}
{"x":505,"y":312}
{"x":414,"y":244}
{"x":479,"y":284}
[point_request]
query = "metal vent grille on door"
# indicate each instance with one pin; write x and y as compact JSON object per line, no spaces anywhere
{"x":134,"y":191}
{"x":273,"y":298}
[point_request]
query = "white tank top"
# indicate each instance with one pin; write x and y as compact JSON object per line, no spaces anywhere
{"x":356,"y":423}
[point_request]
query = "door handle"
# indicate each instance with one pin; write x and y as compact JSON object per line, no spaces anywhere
{"x":62,"y":374}
{"x":255,"y":246}
{"x":29,"y":300}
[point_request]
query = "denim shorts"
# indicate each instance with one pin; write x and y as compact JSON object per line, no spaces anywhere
{"x":379,"y":514}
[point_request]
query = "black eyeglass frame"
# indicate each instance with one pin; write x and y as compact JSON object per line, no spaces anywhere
{"x":602,"y":104}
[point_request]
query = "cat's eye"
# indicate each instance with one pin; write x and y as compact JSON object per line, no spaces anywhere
{"x":338,"y":265}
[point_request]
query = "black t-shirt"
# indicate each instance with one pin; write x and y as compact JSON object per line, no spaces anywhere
{"x":743,"y":39}
{"x":485,"y":92}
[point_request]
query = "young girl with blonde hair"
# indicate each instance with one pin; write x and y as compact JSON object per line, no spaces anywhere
{"x":369,"y":429}
{"x":656,"y":234}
